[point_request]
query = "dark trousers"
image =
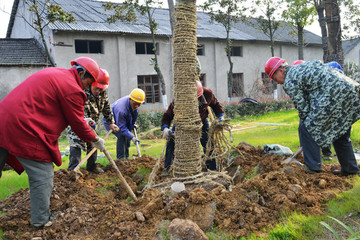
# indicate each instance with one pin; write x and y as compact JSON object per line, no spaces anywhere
{"x":343,"y":149}
{"x":326,"y":151}
{"x":170,"y":147}
{"x":122,"y":146}
{"x":40,"y":175}
{"x":75,"y":157}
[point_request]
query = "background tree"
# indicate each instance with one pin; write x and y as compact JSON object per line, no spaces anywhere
{"x":329,"y":18}
{"x":333,"y":23}
{"x":267,"y":12}
{"x":126,"y":12}
{"x":299,"y":14}
{"x":225,"y":12}
{"x":45,"y":13}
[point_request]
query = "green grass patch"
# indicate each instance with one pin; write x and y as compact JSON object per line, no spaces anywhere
{"x":346,"y":202}
{"x":11,"y":182}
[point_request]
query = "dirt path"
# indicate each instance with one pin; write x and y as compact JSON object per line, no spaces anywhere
{"x":97,"y":207}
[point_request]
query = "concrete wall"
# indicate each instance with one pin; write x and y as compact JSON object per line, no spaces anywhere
{"x":14,"y":75}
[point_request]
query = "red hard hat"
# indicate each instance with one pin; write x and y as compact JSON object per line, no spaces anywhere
{"x":199,"y":88}
{"x":272,"y":65}
{"x":89,"y":64}
{"x":297,"y":62}
{"x":103,"y":80}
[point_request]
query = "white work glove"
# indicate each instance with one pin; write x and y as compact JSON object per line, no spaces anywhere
{"x":88,"y":120}
{"x":167,"y":132}
{"x":135,"y":140}
{"x":100,"y":144}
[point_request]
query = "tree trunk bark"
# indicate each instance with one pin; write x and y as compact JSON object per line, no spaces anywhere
{"x":172,"y":16}
{"x":301,"y":42}
{"x":320,"y":8}
{"x":187,"y":159}
{"x":228,"y":53}
{"x":155,"y":60}
{"x":334,"y":28}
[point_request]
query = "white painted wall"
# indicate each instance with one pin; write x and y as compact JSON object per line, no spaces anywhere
{"x":12,"y":76}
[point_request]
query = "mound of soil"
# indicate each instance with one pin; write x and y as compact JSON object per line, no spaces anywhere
{"x":98,"y":207}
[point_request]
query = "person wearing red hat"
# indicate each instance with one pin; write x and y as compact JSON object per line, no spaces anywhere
{"x":97,"y":102}
{"x":328,"y":104}
{"x":33,"y":116}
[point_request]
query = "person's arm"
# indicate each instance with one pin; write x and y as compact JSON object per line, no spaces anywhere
{"x":167,"y":117}
{"x":107,"y":113}
{"x":295,"y":89}
{"x":73,"y":108}
{"x":122,"y":124}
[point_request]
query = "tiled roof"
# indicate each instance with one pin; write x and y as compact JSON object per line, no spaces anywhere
{"x":348,"y":45}
{"x":15,"y":52}
{"x":91,"y":17}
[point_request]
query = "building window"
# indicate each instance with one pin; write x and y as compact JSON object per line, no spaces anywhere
{"x":237,"y":85}
{"x":146,"y":48}
{"x":236,"y":51}
{"x":151,"y":86}
{"x":200,"y":50}
{"x":267,"y":84}
{"x":88,"y":46}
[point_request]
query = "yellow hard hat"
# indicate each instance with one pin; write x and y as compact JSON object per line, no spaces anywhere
{"x":138,"y":95}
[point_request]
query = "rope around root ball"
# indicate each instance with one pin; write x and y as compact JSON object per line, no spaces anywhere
{"x":218,"y":147}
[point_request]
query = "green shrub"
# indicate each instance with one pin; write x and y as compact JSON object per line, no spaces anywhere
{"x":148,"y":119}
{"x":263,"y":106}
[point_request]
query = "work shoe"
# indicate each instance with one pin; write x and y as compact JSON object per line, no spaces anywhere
{"x":344,"y":174}
{"x":327,"y":158}
{"x":97,"y":170}
{"x":48,"y":223}
{"x":310,"y":171}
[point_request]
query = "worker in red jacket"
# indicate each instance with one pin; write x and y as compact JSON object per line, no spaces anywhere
{"x":33,"y":116}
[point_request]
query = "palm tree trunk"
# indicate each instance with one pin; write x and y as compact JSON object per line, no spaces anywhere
{"x":187,"y":161}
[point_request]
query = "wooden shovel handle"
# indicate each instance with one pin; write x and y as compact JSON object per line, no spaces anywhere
{"x":123,"y":181}
{"x":137,"y":144}
{"x":91,"y":153}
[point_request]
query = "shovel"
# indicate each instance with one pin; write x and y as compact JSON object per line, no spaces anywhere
{"x":292,"y":158}
{"x":137,"y":144}
{"x":123,"y":181}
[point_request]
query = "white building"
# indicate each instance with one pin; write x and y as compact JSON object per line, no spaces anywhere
{"x":125,"y":50}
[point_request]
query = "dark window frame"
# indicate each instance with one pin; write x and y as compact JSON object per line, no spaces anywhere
{"x":89,"y":46}
{"x":236,"y":51}
{"x":200,"y":49}
{"x":146,"y":48}
{"x":238,"y":87}
{"x":151,"y":86}
{"x":268,"y":85}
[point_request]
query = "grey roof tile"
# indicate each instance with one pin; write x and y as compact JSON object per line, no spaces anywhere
{"x":15,"y":52}
{"x":91,"y":16}
{"x":348,"y":45}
